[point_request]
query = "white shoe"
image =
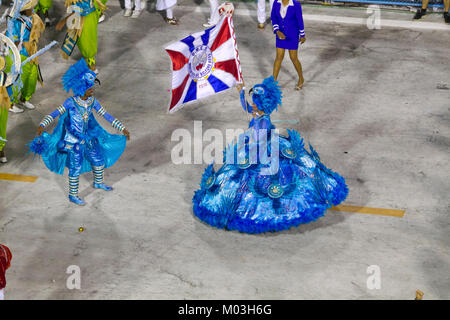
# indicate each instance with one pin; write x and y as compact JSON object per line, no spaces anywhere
{"x":15,"y":109}
{"x":3,"y":160}
{"x":136,"y":14}
{"x":127,"y":13}
{"x":28,"y":105}
{"x":101,"y":19}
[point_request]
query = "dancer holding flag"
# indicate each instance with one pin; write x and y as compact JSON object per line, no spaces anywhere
{"x":268,"y":182}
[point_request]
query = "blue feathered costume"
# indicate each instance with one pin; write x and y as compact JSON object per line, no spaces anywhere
{"x":253,"y":194}
{"x":78,"y":142}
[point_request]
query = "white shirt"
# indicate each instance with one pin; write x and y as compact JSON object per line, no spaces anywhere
{"x":283,"y":8}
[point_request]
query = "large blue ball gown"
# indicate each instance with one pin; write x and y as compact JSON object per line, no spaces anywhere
{"x":242,"y":196}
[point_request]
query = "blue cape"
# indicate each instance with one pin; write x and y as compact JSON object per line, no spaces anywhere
{"x":111,"y":146}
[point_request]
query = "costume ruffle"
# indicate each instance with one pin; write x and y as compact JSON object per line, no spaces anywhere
{"x":240,"y":197}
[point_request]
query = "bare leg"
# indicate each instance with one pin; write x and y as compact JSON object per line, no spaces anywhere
{"x":293,"y":54}
{"x":425,"y":4}
{"x":277,"y":64}
{"x":446,"y":5}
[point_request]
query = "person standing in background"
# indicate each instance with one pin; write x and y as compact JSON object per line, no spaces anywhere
{"x":129,"y":12}
{"x":168,"y":6}
{"x":214,"y":15}
{"x":287,"y":21}
{"x":262,"y":12}
{"x":423,"y":11}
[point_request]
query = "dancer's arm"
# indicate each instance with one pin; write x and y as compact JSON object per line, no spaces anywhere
{"x":48,"y":119}
{"x":301,"y":26}
{"x":116,"y":124}
{"x":62,"y":22}
{"x":276,"y":22}
{"x":245,"y":105}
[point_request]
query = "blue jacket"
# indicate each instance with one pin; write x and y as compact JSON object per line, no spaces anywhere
{"x":292,"y":24}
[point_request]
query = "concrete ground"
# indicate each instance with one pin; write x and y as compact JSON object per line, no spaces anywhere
{"x":375,"y":106}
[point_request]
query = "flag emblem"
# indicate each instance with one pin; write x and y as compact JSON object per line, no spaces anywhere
{"x":201,"y":62}
{"x":204,"y":64}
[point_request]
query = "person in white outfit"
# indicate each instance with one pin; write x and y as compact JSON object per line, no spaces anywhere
{"x":168,"y":6}
{"x":262,"y":12}
{"x":139,"y":5}
{"x":214,"y":15}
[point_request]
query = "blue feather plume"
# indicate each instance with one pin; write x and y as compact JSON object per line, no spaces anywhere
{"x":296,"y":141}
{"x":270,"y":99}
{"x":38,"y":145}
{"x":73,"y":78}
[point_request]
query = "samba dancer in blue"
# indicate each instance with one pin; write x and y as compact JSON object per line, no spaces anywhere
{"x":254,"y":196}
{"x":78,"y":141}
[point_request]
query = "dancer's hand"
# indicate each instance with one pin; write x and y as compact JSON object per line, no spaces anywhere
{"x":60,"y":24}
{"x":280,"y":35}
{"x":302,"y":39}
{"x":126,"y":133}
{"x":240,"y":86}
{"x":40,"y":130}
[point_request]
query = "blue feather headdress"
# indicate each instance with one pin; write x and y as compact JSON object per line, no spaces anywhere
{"x":78,"y":78}
{"x":267,"y":95}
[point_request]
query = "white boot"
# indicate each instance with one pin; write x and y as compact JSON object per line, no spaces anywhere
{"x":136,"y":14}
{"x":28,"y":105}
{"x":15,"y":109}
{"x":127,"y":13}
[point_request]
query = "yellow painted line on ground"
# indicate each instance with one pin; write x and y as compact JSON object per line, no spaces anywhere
{"x":368,"y":210}
{"x":17,"y":177}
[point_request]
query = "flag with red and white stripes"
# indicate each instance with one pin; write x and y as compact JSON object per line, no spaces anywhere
{"x":204,"y":64}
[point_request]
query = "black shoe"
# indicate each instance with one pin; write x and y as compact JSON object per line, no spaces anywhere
{"x":47,"y":20}
{"x":420,"y":13}
{"x":446,"y":17}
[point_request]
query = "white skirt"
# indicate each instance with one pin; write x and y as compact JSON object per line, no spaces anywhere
{"x":165,"y":4}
